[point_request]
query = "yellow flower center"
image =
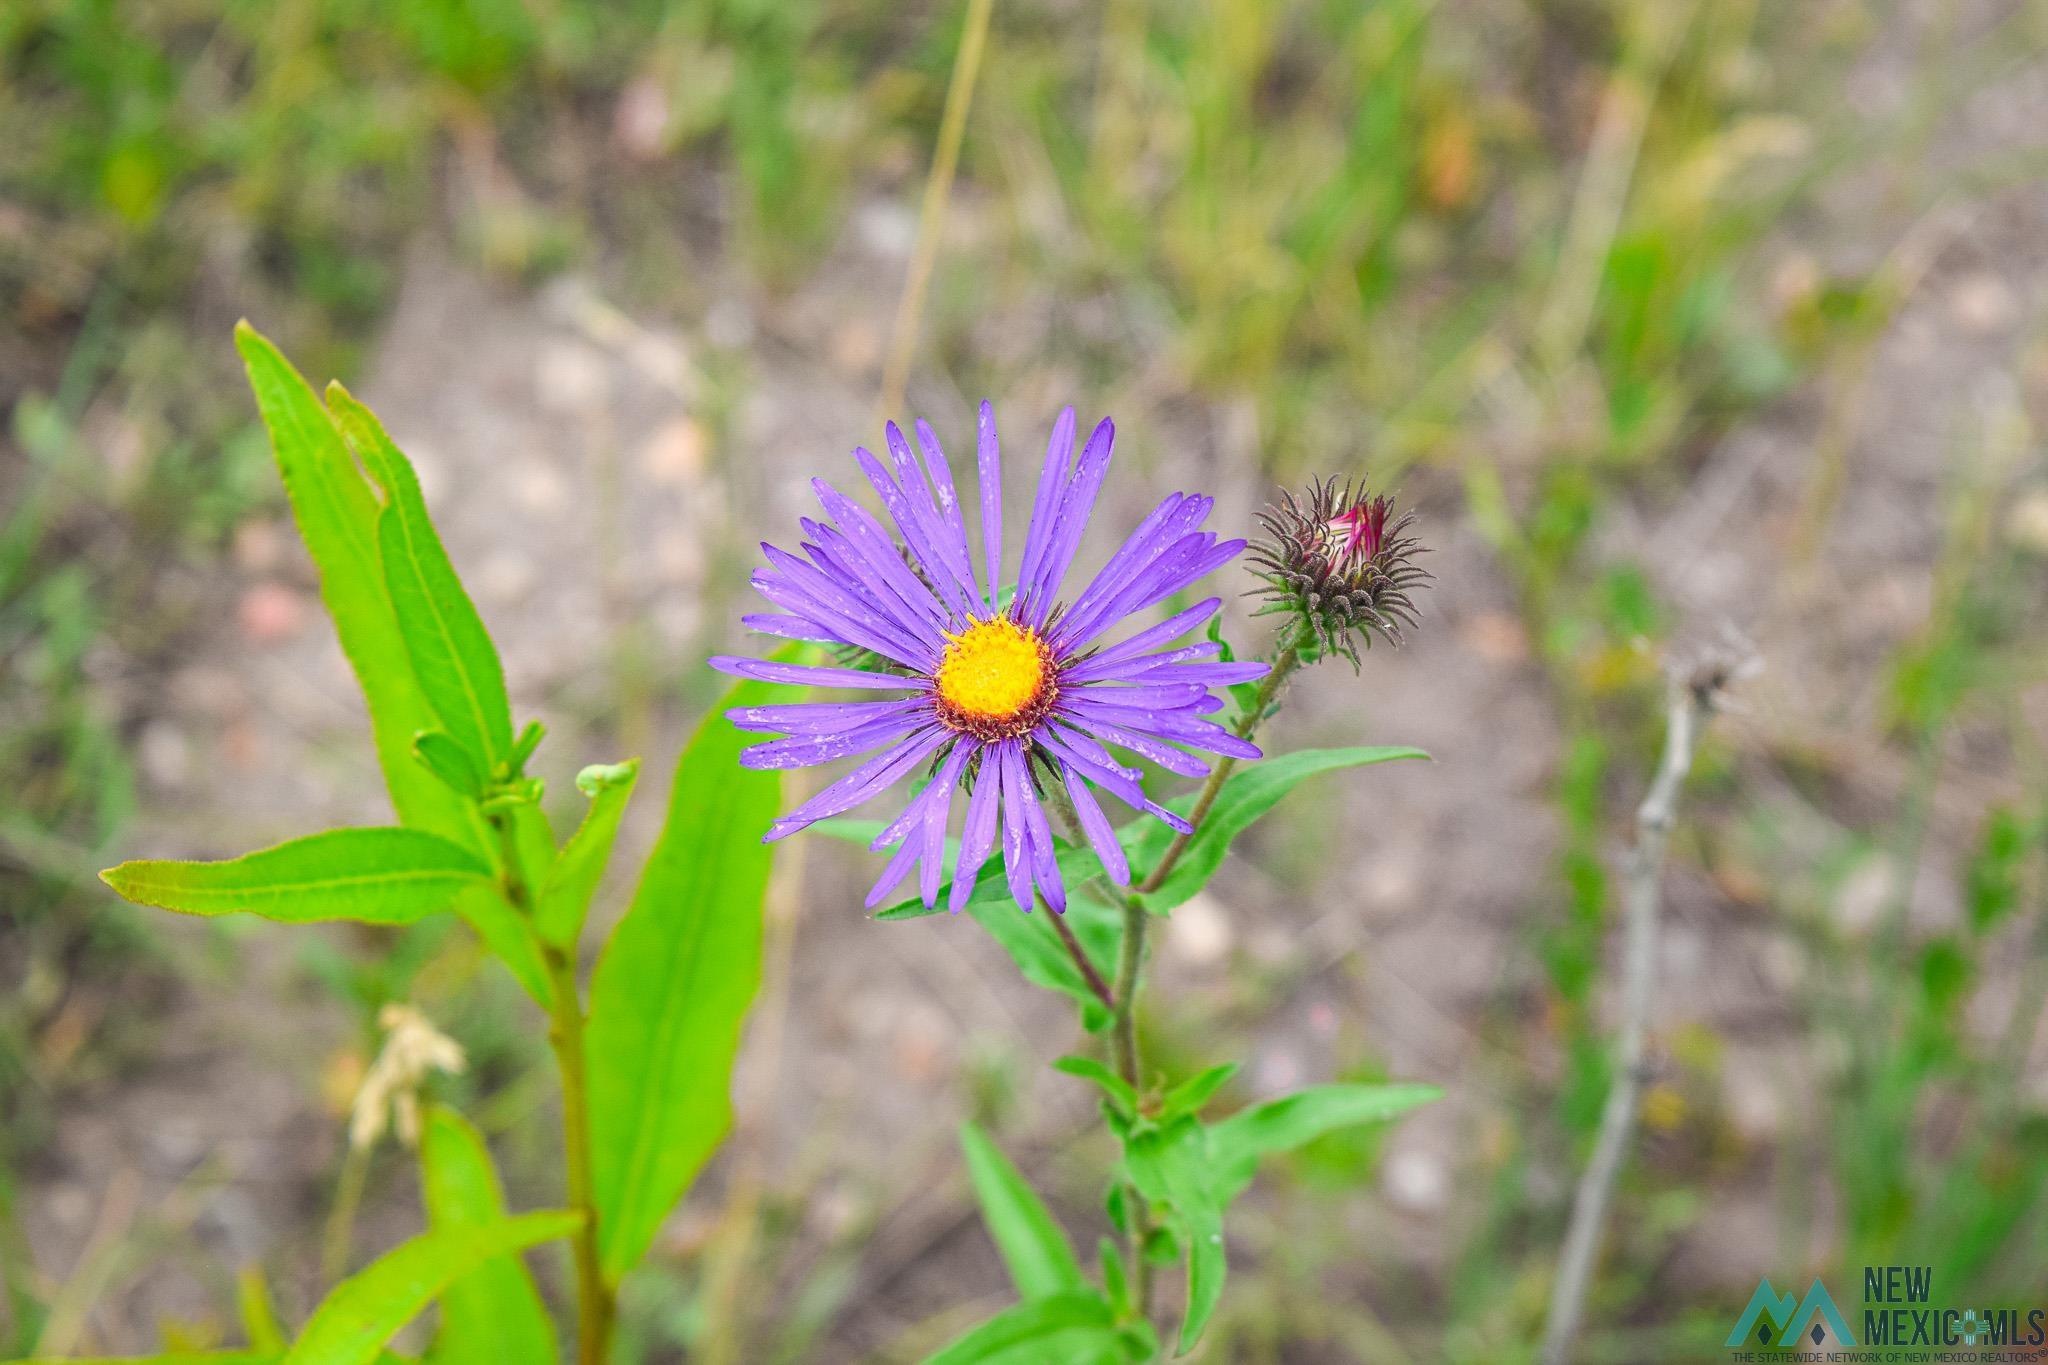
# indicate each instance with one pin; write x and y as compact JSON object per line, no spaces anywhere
{"x":994,"y":670}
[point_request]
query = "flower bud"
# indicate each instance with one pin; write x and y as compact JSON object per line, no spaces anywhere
{"x":1341,"y":561}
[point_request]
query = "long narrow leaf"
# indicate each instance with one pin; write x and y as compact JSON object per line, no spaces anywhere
{"x":1040,"y":1261}
{"x":1174,"y":1167}
{"x":1066,"y":1327}
{"x":673,"y":985}
{"x":337,"y":517}
{"x":1281,"y":1125}
{"x":366,"y":1310}
{"x":384,"y":875}
{"x":509,"y":937}
{"x":451,"y":652}
{"x":1247,"y":794}
{"x":573,"y":877}
{"x":494,"y":1312}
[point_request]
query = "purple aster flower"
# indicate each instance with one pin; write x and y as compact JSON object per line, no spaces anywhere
{"x":995,"y":693}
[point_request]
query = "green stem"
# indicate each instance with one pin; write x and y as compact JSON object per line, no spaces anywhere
{"x":1285,"y":663}
{"x":1125,"y":1037}
{"x":595,"y":1301}
{"x":1131,"y":959}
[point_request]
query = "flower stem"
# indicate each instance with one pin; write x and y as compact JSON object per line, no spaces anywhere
{"x":595,"y":1302}
{"x":1285,"y":663}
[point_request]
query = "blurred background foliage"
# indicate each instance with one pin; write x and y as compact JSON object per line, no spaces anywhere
{"x":1540,"y":260}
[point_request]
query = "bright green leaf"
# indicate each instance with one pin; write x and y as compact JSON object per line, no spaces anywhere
{"x":1292,"y":1120}
{"x":1113,"y":1085}
{"x":509,"y":937}
{"x":1067,"y":1327}
{"x":259,"y":1313}
{"x":385,"y":875}
{"x":673,"y":985}
{"x":168,"y":1358}
{"x":1172,"y":1167}
{"x":1041,"y":1263}
{"x":494,"y":1312}
{"x":444,"y":757}
{"x":337,"y":516}
{"x":366,"y":1310}
{"x":452,"y":656}
{"x":1034,"y":944}
{"x":1190,"y":1095}
{"x":1248,"y":793}
{"x":572,"y":879}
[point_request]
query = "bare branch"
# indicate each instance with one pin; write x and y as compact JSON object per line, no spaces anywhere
{"x":1698,"y":680}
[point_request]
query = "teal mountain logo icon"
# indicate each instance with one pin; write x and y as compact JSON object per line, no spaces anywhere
{"x":1775,"y":1321}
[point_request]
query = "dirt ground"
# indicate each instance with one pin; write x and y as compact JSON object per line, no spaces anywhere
{"x":1390,"y":921}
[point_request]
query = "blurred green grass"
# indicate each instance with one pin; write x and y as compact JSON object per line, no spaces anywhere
{"x":1516,"y":250}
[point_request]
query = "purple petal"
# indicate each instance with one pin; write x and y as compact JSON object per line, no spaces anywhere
{"x":979,"y":832}
{"x":948,"y":544}
{"x":1209,"y":675}
{"x":1097,"y":606}
{"x":1182,"y":727}
{"x":821,"y":717}
{"x":1193,"y":558}
{"x":1101,"y":837}
{"x":938,"y":808}
{"x":892,"y":873}
{"x":1016,"y":839}
{"x":914,"y":522}
{"x":1165,"y":755}
{"x":805,"y":751}
{"x":863,"y":782}
{"x":877,"y":553}
{"x":989,"y":463}
{"x":790,"y":628}
{"x":1038,"y":535}
{"x":1045,"y":862}
{"x":1201,"y":649}
{"x":799,"y":586}
{"x":1077,"y":749}
{"x":1147,"y":695}
{"x":1172,"y":628}
{"x":941,"y":474}
{"x":806,"y":675}
{"x":1077,"y":501}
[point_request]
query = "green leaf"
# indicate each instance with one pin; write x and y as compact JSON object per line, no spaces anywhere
{"x":509,"y":937}
{"x":1041,"y":1263}
{"x":366,"y":1310}
{"x":1034,"y":944}
{"x":447,"y":760}
{"x":384,"y":875}
{"x":1172,"y":1168}
{"x":337,"y":517}
{"x":1248,"y":793}
{"x":1113,"y":1085}
{"x":259,"y":1313}
{"x":1992,"y":882}
{"x":1190,"y":1095}
{"x":451,"y":652}
{"x":573,"y":877}
{"x":1292,"y":1120}
{"x":168,"y":1358}
{"x":494,"y":1312}
{"x":1066,"y":1327}
{"x":673,"y":984}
